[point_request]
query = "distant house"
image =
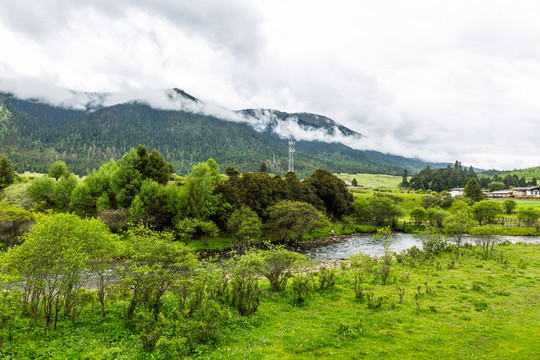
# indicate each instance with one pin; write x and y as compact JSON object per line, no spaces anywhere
{"x":533,"y":191}
{"x":501,"y":194}
{"x":456,"y":191}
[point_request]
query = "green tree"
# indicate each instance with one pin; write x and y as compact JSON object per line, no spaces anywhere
{"x":127,"y":179}
{"x":496,"y":186}
{"x":50,"y":264}
{"x":58,"y":169}
{"x":276,"y":264}
{"x":63,"y":191}
{"x":473,"y":190}
{"x":14,"y":223}
{"x":263,"y":168}
{"x":290,"y":220}
{"x":150,"y":206}
{"x":332,"y":191}
{"x":529,"y":215}
{"x":7,"y":173}
{"x":404,"y":182}
{"x":354,"y":182}
{"x":458,"y":224}
{"x":157,"y":262}
{"x":486,"y":237}
{"x":362,"y":209}
{"x":157,"y":168}
{"x":42,"y":190}
{"x":486,"y":211}
{"x":213,"y":170}
{"x":189,"y":228}
{"x":418,"y":215}
{"x":82,"y":203}
{"x":17,"y":195}
{"x":459,"y":205}
{"x":244,"y":224}
{"x":509,"y":206}
{"x":436,"y":217}
{"x":384,"y":210}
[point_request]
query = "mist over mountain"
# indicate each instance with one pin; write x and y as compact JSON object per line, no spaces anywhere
{"x":86,"y":129}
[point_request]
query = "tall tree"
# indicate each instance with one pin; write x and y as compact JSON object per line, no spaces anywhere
{"x":7,"y":173}
{"x":127,"y":179}
{"x":157,"y":168}
{"x":404,"y":181}
{"x":473,"y":190}
{"x":332,"y":191}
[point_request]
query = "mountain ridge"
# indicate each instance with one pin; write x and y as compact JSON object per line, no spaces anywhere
{"x":186,"y":130}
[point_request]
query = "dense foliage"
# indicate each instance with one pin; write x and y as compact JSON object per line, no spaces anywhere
{"x":458,"y":177}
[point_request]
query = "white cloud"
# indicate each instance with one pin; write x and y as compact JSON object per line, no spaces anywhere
{"x":441,"y":80}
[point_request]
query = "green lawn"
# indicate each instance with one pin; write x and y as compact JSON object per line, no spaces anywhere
{"x":377,"y":180}
{"x":474,"y":309}
{"x":522,"y":202}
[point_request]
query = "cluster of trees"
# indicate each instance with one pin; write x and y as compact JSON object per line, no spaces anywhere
{"x":48,"y":276}
{"x":141,"y":188}
{"x":440,"y":179}
{"x":457,"y":176}
{"x":441,"y":211}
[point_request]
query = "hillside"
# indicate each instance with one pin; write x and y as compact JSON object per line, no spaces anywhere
{"x":35,"y":134}
{"x":528,"y":174}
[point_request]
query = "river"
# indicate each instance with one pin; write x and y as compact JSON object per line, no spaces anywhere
{"x":364,"y":243}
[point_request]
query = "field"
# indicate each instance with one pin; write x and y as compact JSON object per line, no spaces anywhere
{"x":523,"y":203}
{"x":377,"y":180}
{"x":452,"y":309}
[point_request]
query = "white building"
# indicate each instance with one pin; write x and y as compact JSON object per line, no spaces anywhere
{"x":532,"y":191}
{"x":455,"y":191}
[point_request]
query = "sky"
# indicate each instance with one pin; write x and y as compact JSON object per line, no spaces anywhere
{"x":437,"y":80}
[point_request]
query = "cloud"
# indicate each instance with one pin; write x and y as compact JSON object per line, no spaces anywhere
{"x":441,"y":81}
{"x":231,"y":25}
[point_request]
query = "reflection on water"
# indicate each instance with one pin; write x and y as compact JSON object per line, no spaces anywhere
{"x":364,"y":243}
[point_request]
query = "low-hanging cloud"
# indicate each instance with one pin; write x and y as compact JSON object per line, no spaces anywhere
{"x":260,"y":119}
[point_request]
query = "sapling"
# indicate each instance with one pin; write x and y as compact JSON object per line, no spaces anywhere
{"x":401,"y":293}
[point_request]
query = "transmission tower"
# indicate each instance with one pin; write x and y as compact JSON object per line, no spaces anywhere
{"x":291,"y":155}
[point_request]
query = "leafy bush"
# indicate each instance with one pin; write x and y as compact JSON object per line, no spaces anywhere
{"x":300,"y":287}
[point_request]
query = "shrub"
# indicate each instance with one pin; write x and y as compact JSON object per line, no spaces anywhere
{"x":300,"y":287}
{"x":327,"y":278}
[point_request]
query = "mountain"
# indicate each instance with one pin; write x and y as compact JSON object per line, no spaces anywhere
{"x":87,"y":129}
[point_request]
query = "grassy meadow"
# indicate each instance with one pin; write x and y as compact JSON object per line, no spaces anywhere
{"x":464,"y":308}
{"x":377,"y":180}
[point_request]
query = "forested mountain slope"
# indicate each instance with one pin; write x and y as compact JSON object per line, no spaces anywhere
{"x":34,"y":135}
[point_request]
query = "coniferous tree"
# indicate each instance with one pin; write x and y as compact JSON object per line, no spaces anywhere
{"x":404,"y":181}
{"x":7,"y":174}
{"x":473,"y":190}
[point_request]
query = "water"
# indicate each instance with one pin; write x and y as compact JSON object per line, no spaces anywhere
{"x":364,"y":243}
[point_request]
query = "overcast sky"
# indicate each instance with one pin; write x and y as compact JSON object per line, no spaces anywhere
{"x":438,"y":80}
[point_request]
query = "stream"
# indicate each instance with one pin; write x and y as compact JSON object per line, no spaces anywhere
{"x":364,"y":243}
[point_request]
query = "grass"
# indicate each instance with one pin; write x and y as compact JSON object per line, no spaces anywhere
{"x":377,"y":180}
{"x":466,"y":309}
{"x":453,"y":321}
{"x":408,"y":201}
{"x":522,"y":203}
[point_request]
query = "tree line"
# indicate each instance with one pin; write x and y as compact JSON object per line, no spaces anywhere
{"x":142,"y":189}
{"x":458,"y":176}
